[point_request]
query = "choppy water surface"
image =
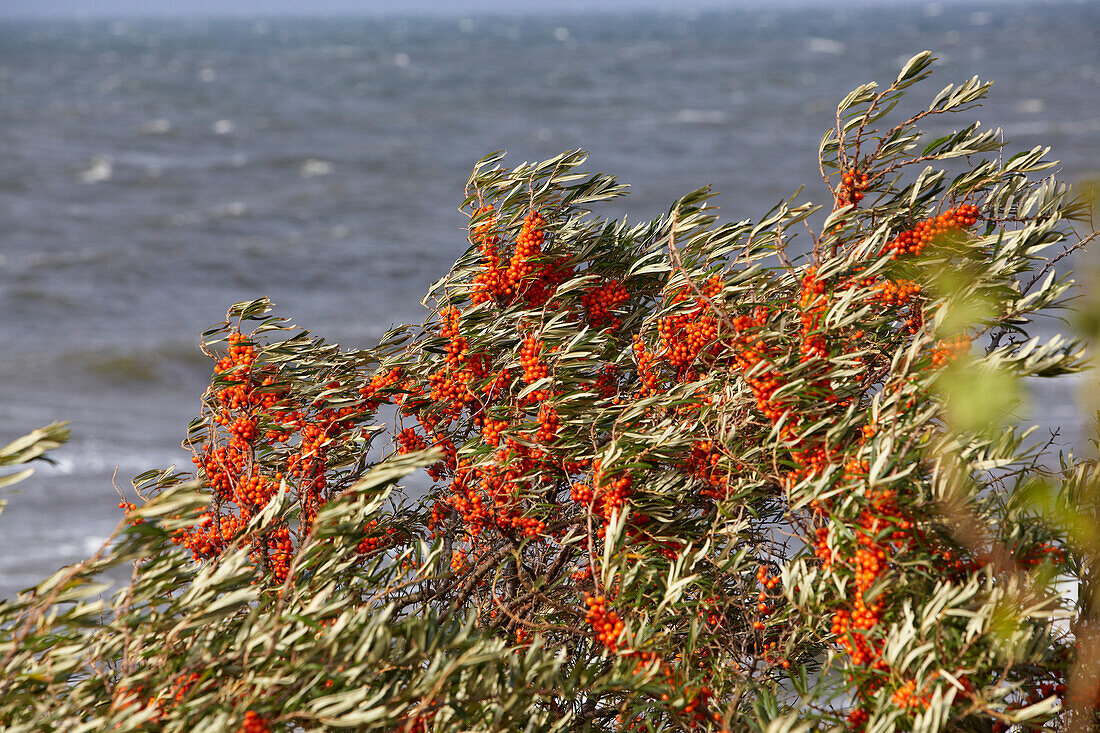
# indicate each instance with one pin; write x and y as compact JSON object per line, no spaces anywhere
{"x":154,"y":172}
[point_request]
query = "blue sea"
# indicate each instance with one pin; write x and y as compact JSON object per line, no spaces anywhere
{"x":154,"y":172}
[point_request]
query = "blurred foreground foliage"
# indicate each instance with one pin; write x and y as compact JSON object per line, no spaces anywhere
{"x":680,"y":479}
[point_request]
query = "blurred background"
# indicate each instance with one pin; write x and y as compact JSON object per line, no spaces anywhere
{"x":160,"y":161}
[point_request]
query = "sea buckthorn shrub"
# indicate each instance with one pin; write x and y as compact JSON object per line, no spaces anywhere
{"x":682,"y":475}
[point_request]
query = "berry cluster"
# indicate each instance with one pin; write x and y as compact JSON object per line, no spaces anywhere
{"x":704,"y":462}
{"x":254,"y":723}
{"x":748,"y":352}
{"x":133,"y":700}
{"x":534,"y":368}
{"x":606,"y":623}
{"x":528,"y":276}
{"x":896,"y":294}
{"x":821,"y":547}
{"x":685,"y":336}
{"x":767,"y":583}
{"x":948,"y":350}
{"x":528,"y":247}
{"x":914,"y":241}
{"x":610,"y":495}
{"x":602,"y":302}
{"x":645,"y":361}
{"x":813,"y":304}
{"x":852,"y":185}
{"x":372,"y":542}
{"x":906,"y":696}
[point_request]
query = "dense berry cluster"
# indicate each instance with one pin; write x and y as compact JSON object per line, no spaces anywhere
{"x":528,"y":276}
{"x":914,"y":241}
{"x":685,"y":336}
{"x":254,"y":723}
{"x":606,"y":623}
{"x":602,"y":302}
{"x":705,"y":463}
{"x":906,"y":696}
{"x":948,"y":350}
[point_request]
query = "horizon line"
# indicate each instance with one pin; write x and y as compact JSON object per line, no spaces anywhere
{"x":575,"y":8}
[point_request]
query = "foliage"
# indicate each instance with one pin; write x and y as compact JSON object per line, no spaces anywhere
{"x":30,"y":447}
{"x":680,"y":479}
